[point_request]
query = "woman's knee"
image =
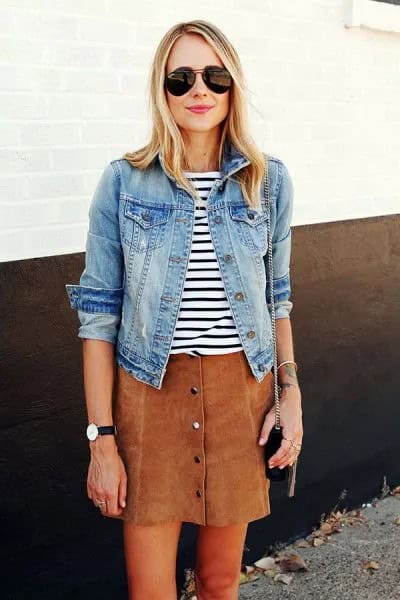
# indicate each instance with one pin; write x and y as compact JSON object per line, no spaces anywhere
{"x":218,"y":561}
{"x":217,"y":585}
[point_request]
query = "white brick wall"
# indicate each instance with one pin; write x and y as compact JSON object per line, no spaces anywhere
{"x":73,"y":78}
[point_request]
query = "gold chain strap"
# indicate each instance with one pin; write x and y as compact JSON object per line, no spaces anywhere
{"x":292,"y":468}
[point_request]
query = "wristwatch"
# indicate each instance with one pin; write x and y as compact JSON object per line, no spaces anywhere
{"x":93,"y":430}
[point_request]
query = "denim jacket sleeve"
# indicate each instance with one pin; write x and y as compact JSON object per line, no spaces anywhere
{"x":281,"y":244}
{"x":98,"y":297}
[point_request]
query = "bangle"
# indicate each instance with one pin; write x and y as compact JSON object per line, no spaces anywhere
{"x":285,"y":362}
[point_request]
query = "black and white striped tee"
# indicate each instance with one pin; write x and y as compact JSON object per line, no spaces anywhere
{"x":205,"y":324}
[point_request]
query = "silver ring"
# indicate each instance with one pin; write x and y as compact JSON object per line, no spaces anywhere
{"x":100,"y":502}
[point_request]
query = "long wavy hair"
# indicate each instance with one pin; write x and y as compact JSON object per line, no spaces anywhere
{"x":165,"y":134}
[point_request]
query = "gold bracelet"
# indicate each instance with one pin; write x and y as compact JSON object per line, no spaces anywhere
{"x":285,"y":362}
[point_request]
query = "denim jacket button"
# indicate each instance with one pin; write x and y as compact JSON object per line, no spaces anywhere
{"x":218,"y":219}
{"x":239,"y":296}
{"x":251,"y":334}
{"x":227,"y":258}
{"x":250,"y":215}
{"x":261,"y":367}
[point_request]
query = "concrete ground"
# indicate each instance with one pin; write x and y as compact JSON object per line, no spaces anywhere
{"x":361,"y":561}
{"x":352,"y":555}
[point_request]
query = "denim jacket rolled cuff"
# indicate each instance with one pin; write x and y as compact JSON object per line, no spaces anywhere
{"x":282,"y":293}
{"x":99,"y":311}
{"x":283,"y":309}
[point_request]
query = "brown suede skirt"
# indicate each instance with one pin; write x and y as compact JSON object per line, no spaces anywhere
{"x":191,"y":449}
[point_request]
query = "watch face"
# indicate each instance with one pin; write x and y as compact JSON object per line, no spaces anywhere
{"x":92,"y":432}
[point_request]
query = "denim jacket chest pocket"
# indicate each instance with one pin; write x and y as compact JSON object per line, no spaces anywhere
{"x":251,"y":227}
{"x":143,"y":224}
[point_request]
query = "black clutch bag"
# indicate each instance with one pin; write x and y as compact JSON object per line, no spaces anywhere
{"x":276,"y":435}
{"x":271,"y":446}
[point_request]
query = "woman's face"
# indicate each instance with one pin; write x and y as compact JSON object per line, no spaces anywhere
{"x":191,"y":50}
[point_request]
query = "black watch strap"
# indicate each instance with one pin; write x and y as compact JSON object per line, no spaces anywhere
{"x":107,"y":429}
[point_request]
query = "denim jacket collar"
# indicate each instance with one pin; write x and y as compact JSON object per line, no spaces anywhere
{"x":232,"y":161}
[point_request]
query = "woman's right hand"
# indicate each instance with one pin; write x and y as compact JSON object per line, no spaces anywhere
{"x":107,"y":477}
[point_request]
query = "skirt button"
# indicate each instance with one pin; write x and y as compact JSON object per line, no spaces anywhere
{"x":198,"y":493}
{"x":196,"y":425}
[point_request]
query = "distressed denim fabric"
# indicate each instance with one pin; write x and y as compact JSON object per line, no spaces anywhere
{"x":137,"y":251}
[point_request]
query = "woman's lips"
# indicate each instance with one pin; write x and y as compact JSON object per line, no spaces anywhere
{"x":200,"y":109}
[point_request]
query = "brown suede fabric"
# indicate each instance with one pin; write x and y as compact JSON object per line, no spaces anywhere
{"x":213,"y":474}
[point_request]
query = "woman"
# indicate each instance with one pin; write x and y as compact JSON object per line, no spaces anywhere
{"x":174,"y":295}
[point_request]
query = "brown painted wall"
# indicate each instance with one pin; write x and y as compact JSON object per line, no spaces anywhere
{"x":346,"y":323}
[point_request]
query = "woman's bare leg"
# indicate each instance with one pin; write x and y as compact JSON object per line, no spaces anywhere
{"x":150,"y":558}
{"x":218,"y":561}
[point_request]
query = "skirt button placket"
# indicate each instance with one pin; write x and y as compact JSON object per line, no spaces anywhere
{"x":198,"y":425}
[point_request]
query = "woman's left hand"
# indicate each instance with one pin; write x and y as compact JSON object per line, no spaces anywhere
{"x":292,"y":427}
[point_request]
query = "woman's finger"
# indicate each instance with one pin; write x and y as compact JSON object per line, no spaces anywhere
{"x":122,"y":492}
{"x":281,"y":454}
{"x":285,"y":453}
{"x":293,"y":455}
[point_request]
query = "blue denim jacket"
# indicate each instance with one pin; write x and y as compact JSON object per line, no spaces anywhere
{"x":137,"y":251}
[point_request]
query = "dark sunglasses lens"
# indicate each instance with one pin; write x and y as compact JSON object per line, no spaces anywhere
{"x":179,"y":82}
{"x":218,"y":80}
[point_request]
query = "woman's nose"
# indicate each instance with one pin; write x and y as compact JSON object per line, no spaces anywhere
{"x":199,"y":85}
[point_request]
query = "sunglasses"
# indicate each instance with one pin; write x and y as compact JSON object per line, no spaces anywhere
{"x":217,"y":79}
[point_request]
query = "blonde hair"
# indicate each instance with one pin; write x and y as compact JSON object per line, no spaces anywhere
{"x":166,"y":136}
